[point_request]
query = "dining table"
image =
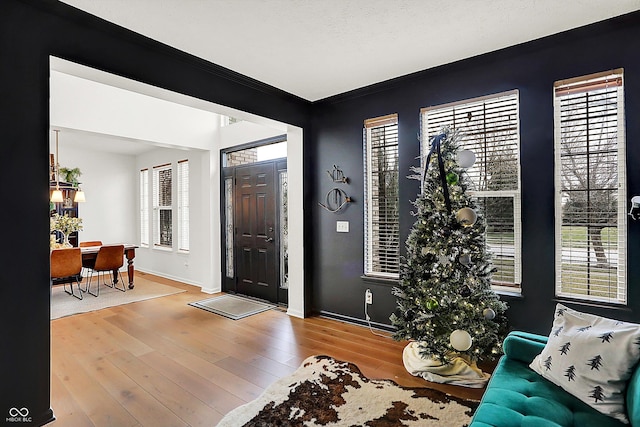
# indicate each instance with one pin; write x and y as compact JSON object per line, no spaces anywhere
{"x":89,"y":253}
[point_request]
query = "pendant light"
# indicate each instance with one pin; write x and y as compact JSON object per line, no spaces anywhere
{"x":79,"y":197}
{"x":56,"y":196}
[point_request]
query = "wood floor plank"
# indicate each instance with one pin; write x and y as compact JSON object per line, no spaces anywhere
{"x":67,"y":408}
{"x":137,"y":401}
{"x":190,"y":359}
{"x":98,"y":405}
{"x":123,"y":339}
{"x":162,"y":362}
{"x":177,"y":399}
{"x":159,"y":339}
{"x":269,"y":365}
{"x":213,"y":395}
{"x":247,"y":371}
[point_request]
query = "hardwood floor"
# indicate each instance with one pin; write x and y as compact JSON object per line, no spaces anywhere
{"x":162,"y":362}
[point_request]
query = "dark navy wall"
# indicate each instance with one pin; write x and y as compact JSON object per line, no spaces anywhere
{"x":29,"y":33}
{"x":531,"y":68}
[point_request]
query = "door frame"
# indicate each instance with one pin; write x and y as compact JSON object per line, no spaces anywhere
{"x":229,"y":284}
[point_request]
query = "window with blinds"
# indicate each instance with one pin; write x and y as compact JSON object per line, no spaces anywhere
{"x":183,"y":205}
{"x":590,"y":182}
{"x":489,"y":126}
{"x":144,"y":207}
{"x":163,"y":212}
{"x":382,"y":246}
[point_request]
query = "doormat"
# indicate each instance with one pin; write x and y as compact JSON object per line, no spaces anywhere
{"x":232,"y":306}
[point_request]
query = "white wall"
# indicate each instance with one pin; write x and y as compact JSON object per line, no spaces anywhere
{"x":108,"y":110}
{"x":192,"y":267}
{"x":243,"y":133}
{"x":108,"y":180}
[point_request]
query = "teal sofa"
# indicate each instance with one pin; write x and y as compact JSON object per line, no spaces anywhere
{"x":517,"y":396}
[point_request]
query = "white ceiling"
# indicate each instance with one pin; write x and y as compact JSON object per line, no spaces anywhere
{"x":318,"y":48}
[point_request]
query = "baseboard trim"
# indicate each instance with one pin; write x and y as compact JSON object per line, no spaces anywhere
{"x":295,"y":313}
{"x":356,"y":321}
{"x":170,"y":277}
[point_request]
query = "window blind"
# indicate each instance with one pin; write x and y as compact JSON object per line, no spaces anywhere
{"x":144,"y":207}
{"x":162,"y":204}
{"x":382,"y":246}
{"x":489,"y":126}
{"x":183,"y":205}
{"x":590,"y":181}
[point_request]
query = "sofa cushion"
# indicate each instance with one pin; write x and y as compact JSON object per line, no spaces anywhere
{"x":591,"y":357}
{"x":518,"y":397}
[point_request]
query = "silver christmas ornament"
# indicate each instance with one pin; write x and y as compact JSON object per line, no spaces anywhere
{"x":489,"y":314}
{"x":466,"y":158}
{"x":465,"y":259}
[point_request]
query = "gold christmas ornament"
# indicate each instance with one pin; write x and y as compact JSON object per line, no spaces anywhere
{"x":467,"y":217}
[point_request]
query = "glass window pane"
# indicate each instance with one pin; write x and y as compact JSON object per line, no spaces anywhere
{"x":382,"y":245}
{"x":590,"y":170}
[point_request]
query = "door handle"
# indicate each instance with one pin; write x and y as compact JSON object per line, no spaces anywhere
{"x":268,"y":239}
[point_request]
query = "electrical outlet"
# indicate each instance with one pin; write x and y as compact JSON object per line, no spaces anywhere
{"x":368,"y":297}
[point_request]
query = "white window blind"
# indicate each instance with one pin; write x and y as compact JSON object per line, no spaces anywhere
{"x":144,"y":207}
{"x":163,"y":213}
{"x":382,"y":248}
{"x":489,"y":126}
{"x":183,"y":205}
{"x":590,"y":182}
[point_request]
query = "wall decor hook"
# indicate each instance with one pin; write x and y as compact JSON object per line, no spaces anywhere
{"x":337,"y":175}
{"x":340,"y":200}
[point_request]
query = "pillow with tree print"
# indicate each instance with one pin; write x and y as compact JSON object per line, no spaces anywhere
{"x":592,"y":358}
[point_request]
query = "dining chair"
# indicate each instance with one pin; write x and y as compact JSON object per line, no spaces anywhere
{"x":87,"y":264}
{"x":110,"y":259}
{"x":66,"y":266}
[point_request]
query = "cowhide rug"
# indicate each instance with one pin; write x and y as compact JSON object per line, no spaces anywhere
{"x":327,"y":392}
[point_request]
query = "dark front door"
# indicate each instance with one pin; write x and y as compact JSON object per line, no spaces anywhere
{"x":255,"y":219}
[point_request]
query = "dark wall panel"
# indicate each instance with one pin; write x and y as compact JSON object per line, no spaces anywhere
{"x":531,"y":68}
{"x":29,"y":33}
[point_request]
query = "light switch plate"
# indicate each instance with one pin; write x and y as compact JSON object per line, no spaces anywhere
{"x":342,"y":226}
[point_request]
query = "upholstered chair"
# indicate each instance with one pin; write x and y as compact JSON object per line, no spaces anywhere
{"x":87,"y":264}
{"x":109,"y":260}
{"x":66,"y":266}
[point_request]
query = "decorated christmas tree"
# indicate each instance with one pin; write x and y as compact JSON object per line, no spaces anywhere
{"x":444,"y":298}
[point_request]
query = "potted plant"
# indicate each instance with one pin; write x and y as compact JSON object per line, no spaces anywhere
{"x":71,"y":175}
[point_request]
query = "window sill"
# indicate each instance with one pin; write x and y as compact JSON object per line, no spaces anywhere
{"x":595,"y":304}
{"x":163,"y":248}
{"x":381,"y":280}
{"x":509,"y":294}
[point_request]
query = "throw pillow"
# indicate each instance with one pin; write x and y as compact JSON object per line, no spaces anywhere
{"x":592,"y":358}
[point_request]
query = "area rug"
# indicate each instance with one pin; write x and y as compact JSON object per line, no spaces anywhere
{"x":328,"y":392}
{"x":232,"y":306}
{"x":63,"y":304}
